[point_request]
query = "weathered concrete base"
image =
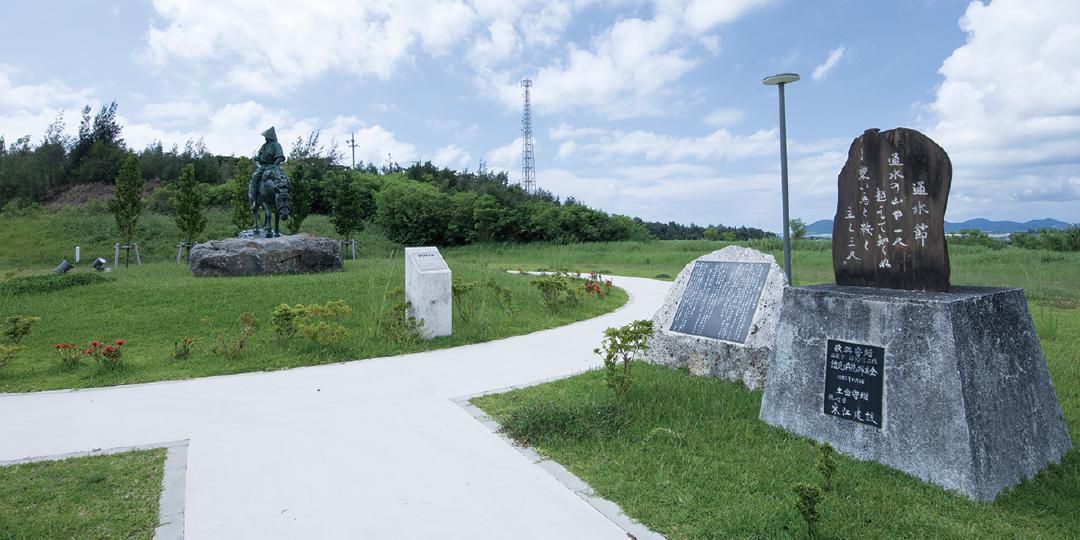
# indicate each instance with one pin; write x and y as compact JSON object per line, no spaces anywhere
{"x":297,"y":254}
{"x":747,"y":362}
{"x":968,"y":403}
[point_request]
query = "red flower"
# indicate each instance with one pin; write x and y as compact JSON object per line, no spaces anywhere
{"x":95,"y":343}
{"x":119,"y":342}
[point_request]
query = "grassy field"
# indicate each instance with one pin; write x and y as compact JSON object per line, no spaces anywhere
{"x":111,"y":496}
{"x":688,"y":456}
{"x":154,"y":306}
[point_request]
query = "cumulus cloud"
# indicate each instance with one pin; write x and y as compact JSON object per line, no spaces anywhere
{"x":641,"y":144}
{"x":27,"y":109}
{"x":1007,"y":107}
{"x":628,"y":69}
{"x":724,"y":117}
{"x":826,"y":67}
{"x":451,"y":156}
{"x":505,"y":158}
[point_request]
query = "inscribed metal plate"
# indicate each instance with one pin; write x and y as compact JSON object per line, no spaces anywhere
{"x":720,"y":299}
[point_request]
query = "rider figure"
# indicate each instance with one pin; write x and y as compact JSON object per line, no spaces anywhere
{"x":268,"y":162}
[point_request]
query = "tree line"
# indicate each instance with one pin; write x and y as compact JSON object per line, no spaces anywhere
{"x":418,"y":204}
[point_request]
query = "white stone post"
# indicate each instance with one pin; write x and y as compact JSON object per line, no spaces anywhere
{"x":428,"y":283}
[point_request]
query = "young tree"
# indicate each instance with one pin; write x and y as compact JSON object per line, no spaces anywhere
{"x":798,"y":229}
{"x":240,"y":206}
{"x":126,"y":204}
{"x":299,"y":195}
{"x":189,"y":204}
{"x":349,"y":214}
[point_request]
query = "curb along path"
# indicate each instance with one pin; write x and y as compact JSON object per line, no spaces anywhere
{"x":369,"y":449}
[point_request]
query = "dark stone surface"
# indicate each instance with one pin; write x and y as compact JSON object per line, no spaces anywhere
{"x":720,"y":299}
{"x":967,"y":400}
{"x":298,"y":254}
{"x":889,"y":228}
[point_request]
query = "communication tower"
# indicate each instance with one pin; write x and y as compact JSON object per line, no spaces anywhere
{"x":528,"y":161}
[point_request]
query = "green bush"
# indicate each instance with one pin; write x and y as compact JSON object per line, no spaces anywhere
{"x":618,"y":348}
{"x":316,"y":322}
{"x":45,"y":283}
{"x":558,"y":291}
{"x":18,"y":327}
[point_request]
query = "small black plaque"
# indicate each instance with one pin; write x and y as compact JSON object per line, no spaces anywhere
{"x":854,"y":375}
{"x":720,"y":299}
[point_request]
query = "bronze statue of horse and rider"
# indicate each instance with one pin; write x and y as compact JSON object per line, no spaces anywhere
{"x":269,"y":187}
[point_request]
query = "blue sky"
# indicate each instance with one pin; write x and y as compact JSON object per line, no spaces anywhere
{"x":652,"y":108}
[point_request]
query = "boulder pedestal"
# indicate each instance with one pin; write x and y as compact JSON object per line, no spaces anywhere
{"x":951,"y":388}
{"x":719,"y":316}
{"x":297,"y":254}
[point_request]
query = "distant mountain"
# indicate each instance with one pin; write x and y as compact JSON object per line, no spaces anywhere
{"x":824,"y":226}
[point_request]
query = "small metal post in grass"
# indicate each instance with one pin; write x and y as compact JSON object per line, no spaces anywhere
{"x":779,"y":80}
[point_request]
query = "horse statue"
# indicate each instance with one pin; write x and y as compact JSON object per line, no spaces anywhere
{"x":269,"y":187}
{"x":272,"y":196}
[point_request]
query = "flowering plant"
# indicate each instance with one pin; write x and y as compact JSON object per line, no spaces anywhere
{"x":182,"y":348}
{"x":109,"y":355}
{"x":70,"y":355}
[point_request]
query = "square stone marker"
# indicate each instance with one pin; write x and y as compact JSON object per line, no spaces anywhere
{"x":428,"y":288}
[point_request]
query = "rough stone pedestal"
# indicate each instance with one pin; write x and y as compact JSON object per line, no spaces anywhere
{"x":428,"y":289}
{"x":966,"y":398}
{"x":750,"y":305}
{"x":297,"y":254}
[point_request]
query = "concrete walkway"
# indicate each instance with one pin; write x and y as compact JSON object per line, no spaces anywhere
{"x":368,"y":449}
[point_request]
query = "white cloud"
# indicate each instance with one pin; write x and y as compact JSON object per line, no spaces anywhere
{"x":27,"y":109}
{"x":718,"y":145}
{"x":711,"y":44}
{"x":826,"y":68}
{"x":566,"y":150}
{"x":1007,"y":107}
{"x":275,"y":46}
{"x":505,"y":158}
{"x":451,"y":156}
{"x":724,"y":117}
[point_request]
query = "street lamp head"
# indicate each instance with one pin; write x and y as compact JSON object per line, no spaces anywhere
{"x":780,"y":78}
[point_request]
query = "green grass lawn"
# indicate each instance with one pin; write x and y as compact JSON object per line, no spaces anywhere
{"x":111,"y":496}
{"x":153,"y":306}
{"x":688,"y":456}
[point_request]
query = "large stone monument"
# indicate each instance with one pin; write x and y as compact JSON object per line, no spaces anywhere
{"x":297,"y":254}
{"x":719,"y":317}
{"x":950,"y":387}
{"x":429,"y":290}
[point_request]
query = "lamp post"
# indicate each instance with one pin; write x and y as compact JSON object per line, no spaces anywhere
{"x":779,"y":80}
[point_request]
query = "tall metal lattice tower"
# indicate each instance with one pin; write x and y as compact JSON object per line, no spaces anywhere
{"x":528,"y":161}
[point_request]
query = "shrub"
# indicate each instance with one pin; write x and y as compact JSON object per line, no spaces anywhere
{"x":395,"y":325}
{"x":18,"y":327}
{"x":620,"y":346}
{"x":806,"y":501}
{"x":45,"y":283}
{"x":460,"y":290}
{"x":70,"y":355}
{"x":109,"y":355}
{"x":503,"y":296}
{"x":230,"y":347}
{"x":183,"y":347}
{"x":826,"y":465}
{"x":8,"y":353}
{"x":557,"y":292}
{"x":314,"y":321}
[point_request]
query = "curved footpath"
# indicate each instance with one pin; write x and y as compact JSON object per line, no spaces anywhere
{"x":370,"y":449}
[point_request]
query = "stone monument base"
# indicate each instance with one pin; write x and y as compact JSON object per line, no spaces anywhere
{"x":963,"y":395}
{"x":297,"y":254}
{"x":743,"y":358}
